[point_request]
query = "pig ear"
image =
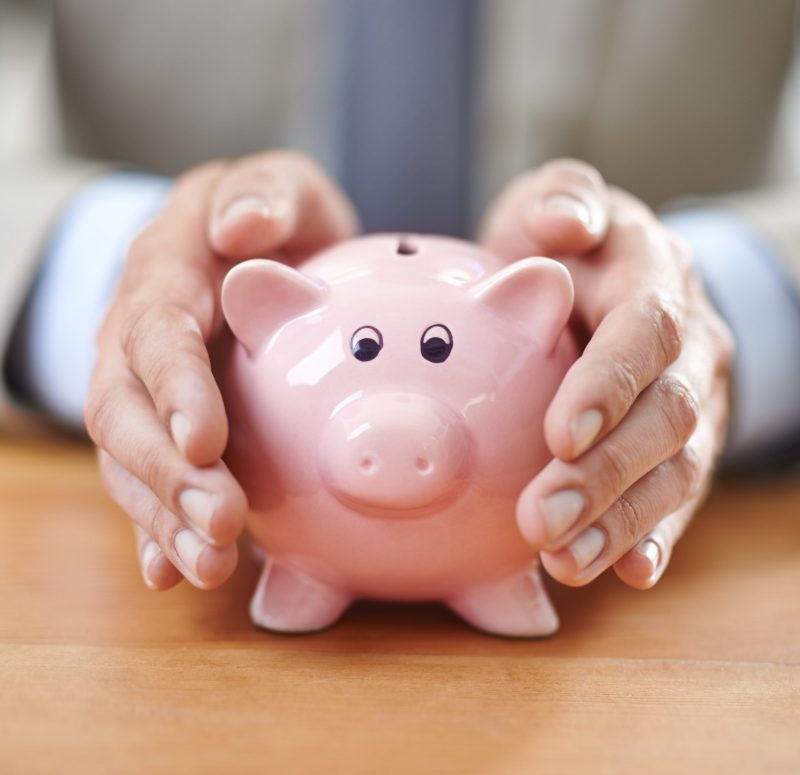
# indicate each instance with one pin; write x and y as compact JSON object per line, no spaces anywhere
{"x":534,"y":293}
{"x":260,"y":296}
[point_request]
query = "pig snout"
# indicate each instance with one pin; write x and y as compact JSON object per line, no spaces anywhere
{"x":396,"y":454}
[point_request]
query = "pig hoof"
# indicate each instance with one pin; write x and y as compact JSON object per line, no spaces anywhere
{"x":517,"y":607}
{"x":292,"y":602}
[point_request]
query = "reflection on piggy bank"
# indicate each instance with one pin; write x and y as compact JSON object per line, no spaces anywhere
{"x":386,"y":403}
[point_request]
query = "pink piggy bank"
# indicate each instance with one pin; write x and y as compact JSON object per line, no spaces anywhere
{"x":386,"y":403}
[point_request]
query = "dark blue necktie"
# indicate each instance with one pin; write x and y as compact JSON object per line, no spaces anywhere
{"x":404,"y":100}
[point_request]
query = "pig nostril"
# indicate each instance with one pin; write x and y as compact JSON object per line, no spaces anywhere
{"x":368,"y":464}
{"x":423,"y":465}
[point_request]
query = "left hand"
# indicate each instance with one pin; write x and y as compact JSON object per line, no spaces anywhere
{"x":640,"y":418}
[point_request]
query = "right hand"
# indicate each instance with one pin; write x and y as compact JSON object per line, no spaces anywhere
{"x":154,"y":409}
{"x":652,"y":378}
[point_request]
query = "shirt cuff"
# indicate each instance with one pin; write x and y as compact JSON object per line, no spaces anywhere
{"x":752,"y":293}
{"x":54,"y":349}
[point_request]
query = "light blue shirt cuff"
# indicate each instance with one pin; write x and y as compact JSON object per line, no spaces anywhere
{"x":55,"y":346}
{"x":751,"y":291}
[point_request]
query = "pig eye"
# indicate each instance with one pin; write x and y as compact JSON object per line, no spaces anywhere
{"x":366,"y":343}
{"x":436,"y":343}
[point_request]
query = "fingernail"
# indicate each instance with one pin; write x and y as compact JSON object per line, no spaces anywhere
{"x":587,"y":547}
{"x":651,"y":551}
{"x":560,"y":512}
{"x":584,"y":429}
{"x":188,"y":547}
{"x":149,"y":553}
{"x":180,"y":427}
{"x":199,"y":507}
{"x":245,"y":206}
{"x":571,"y":206}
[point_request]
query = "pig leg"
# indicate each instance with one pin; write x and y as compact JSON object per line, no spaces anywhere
{"x":516,"y":606}
{"x":287,"y":600}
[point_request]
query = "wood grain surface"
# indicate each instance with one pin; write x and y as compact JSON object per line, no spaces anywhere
{"x":97,"y":674}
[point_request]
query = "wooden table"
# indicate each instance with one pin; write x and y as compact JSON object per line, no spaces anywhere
{"x":701,"y":674}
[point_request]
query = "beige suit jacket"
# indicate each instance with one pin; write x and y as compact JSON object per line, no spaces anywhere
{"x":668,"y":99}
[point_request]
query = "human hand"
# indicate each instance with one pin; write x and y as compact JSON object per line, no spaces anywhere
{"x":639,"y":419}
{"x":154,"y":409}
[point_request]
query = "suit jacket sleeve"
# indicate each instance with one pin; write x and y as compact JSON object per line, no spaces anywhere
{"x":31,"y":198}
{"x":775,"y":214}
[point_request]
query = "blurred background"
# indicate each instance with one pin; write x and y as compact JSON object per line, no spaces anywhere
{"x":601,"y":80}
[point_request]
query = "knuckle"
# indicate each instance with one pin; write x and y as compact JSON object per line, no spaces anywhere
{"x":154,"y":338}
{"x":149,"y":466}
{"x":630,"y":514}
{"x":158,"y":524}
{"x":623,"y":383}
{"x":132,"y":328}
{"x":615,"y":464}
{"x":667,"y":326}
{"x":691,"y":471}
{"x":679,"y":406}
{"x":154,"y":469}
{"x":157,"y":377}
{"x":97,"y":414}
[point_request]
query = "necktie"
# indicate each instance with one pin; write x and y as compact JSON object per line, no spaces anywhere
{"x":404,"y":103}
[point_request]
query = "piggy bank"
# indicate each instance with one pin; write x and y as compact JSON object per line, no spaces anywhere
{"x":386,"y":402}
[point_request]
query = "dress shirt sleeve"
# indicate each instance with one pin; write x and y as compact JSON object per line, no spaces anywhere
{"x":53,"y":348}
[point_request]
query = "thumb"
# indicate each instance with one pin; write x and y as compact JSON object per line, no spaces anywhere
{"x":278,"y":201}
{"x":561,"y":208}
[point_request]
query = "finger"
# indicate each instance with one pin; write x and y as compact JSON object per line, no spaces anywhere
{"x":632,"y":345}
{"x":559,"y":208}
{"x":278,"y":200}
{"x":632,"y":295}
{"x":670,"y":486}
{"x":204,"y":566}
{"x":644,"y":565}
{"x":167,"y":304}
{"x":165,"y":349}
{"x":567,"y":497}
{"x":121,"y":421}
{"x":157,"y":571}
